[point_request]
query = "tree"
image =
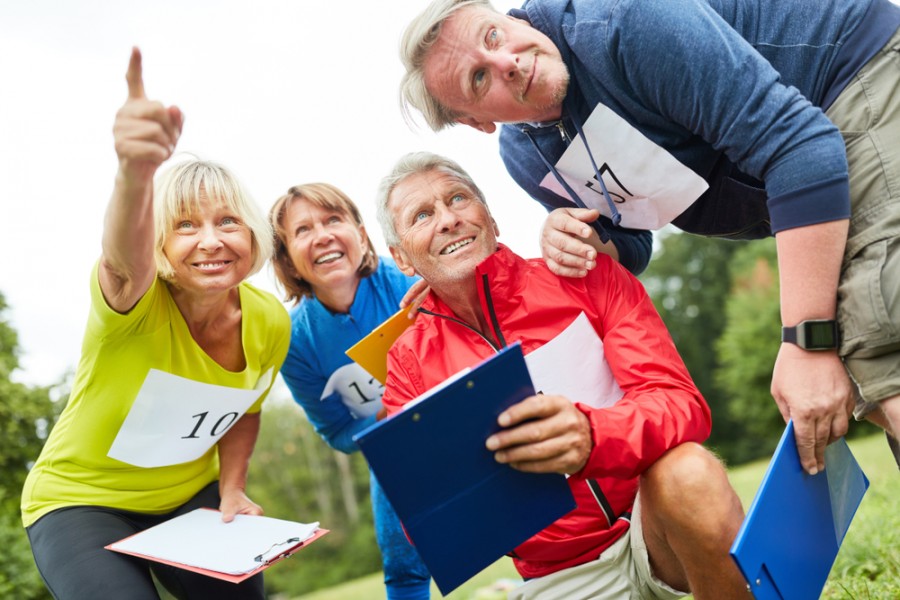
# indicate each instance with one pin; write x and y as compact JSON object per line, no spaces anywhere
{"x":26,"y":416}
{"x":747,"y":350}
{"x":689,"y":281}
{"x":295,"y":475}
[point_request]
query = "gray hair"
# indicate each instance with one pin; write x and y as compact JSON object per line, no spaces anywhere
{"x":419,"y":37}
{"x":412,"y":164}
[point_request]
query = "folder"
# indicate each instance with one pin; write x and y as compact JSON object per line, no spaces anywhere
{"x":796,"y":523}
{"x":201,"y":542}
{"x":462,"y":509}
{"x":371,"y":352}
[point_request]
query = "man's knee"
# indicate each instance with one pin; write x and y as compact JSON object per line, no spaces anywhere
{"x":688,"y":481}
{"x":688,"y":498}
{"x":891,"y":409}
{"x":687,"y":468}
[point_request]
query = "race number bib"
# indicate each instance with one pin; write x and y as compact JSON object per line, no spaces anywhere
{"x":573,"y":365}
{"x":649,"y":186}
{"x":360,"y":392}
{"x":175,"y":420}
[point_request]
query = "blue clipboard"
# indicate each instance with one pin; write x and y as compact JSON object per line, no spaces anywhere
{"x":463,"y":510}
{"x":794,"y":528}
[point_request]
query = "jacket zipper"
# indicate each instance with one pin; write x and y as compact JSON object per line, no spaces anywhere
{"x":563,"y":133}
{"x":495,"y":322}
{"x":593,"y":484}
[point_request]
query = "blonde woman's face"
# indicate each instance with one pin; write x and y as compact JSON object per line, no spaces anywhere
{"x":210,"y":250}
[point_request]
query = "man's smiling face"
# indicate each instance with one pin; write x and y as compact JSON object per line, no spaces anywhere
{"x":445,"y":230}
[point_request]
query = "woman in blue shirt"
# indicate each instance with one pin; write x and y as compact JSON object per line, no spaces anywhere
{"x":342,"y":291}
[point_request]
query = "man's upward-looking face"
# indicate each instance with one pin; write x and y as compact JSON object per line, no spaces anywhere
{"x":493,"y":68}
{"x":444,"y":229}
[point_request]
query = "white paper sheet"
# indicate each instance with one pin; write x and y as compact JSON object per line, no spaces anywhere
{"x":573,"y":365}
{"x":359,"y":391}
{"x":201,"y":539}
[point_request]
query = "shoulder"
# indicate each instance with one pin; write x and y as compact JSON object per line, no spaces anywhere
{"x":260,"y":305}
{"x":608,"y":279}
{"x":611,"y":287}
{"x":152,"y":310}
{"x":409,"y":351}
{"x":615,"y":27}
{"x":302,"y":318}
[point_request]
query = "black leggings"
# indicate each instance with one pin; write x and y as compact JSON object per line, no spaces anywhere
{"x":68,"y":547}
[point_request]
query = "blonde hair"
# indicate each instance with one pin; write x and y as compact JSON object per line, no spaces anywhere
{"x":415,"y":45}
{"x":328,"y":197}
{"x":177,"y":193}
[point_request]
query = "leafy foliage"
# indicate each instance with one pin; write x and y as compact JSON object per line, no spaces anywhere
{"x":720,"y":302}
{"x":26,"y":415}
{"x":747,"y":349}
{"x":295,"y":475}
{"x":689,"y":280}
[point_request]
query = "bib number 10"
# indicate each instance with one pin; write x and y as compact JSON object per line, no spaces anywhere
{"x":218,"y":428}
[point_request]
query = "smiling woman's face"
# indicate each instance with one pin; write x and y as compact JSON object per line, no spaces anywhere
{"x":210,"y":250}
{"x":326,"y":246}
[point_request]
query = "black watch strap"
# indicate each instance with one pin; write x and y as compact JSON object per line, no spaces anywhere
{"x":818,"y":334}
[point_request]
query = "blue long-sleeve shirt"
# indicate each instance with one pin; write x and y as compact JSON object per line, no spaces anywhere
{"x":734,"y":89}
{"x":339,"y":398}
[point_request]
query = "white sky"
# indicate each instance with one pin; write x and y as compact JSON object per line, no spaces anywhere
{"x":283,"y":92}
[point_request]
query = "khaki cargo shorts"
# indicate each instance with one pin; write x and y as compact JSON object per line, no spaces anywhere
{"x":621,"y":573}
{"x":868,"y":114}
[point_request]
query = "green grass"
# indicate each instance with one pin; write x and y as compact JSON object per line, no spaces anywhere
{"x":867,"y":567}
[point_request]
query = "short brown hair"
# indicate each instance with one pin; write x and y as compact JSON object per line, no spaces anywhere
{"x":323,"y":195}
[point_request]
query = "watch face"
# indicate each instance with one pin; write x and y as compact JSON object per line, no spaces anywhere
{"x":819,"y":335}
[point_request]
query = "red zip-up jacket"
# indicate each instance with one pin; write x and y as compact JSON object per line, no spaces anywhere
{"x":659,"y":409}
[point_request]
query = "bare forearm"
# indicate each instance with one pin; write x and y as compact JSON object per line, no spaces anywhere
{"x":145,"y":134}
{"x":235,"y":450}
{"x":811,"y":387}
{"x":809,"y":263}
{"x":128,"y":266}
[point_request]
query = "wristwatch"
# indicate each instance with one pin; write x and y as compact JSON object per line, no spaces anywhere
{"x":819,"y":334}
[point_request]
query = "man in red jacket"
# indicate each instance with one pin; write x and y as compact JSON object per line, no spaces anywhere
{"x":618,"y":411}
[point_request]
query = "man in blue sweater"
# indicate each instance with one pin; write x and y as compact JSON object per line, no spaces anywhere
{"x":730,"y":118}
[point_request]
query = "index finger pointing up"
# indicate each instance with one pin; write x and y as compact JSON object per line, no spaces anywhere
{"x":135,"y":75}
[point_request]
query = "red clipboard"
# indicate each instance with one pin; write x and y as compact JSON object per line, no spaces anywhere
{"x":275,"y":552}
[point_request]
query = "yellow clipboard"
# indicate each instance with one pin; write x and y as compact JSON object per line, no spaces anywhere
{"x":371,"y":352}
